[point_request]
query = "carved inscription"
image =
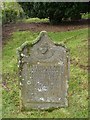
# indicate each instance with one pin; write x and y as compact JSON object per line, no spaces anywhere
{"x":48,"y":82}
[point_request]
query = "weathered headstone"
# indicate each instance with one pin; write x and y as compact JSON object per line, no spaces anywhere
{"x":44,"y":73}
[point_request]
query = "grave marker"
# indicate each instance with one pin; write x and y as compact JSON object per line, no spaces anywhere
{"x":44,"y":73}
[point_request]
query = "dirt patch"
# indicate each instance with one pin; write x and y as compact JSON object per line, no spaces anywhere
{"x":8,"y":29}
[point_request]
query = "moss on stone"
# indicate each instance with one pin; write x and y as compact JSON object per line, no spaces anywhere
{"x":29,"y":43}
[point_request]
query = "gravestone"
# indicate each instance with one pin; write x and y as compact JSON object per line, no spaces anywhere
{"x":44,"y":73}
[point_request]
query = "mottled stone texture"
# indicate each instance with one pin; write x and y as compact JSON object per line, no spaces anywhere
{"x":44,"y":73}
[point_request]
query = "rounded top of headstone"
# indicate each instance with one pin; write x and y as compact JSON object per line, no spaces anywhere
{"x":42,"y":33}
{"x":39,"y":38}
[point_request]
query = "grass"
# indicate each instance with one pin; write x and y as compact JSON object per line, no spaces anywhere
{"x":36,"y":20}
{"x":76,"y":41}
{"x":86,"y":15}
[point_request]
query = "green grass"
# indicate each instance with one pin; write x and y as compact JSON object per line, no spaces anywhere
{"x":86,"y":16}
{"x":76,"y":41}
{"x":36,"y":20}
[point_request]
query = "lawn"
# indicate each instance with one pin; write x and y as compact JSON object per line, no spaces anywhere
{"x":77,"y":42}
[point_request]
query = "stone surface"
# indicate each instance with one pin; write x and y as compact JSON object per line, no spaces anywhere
{"x":44,"y":73}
